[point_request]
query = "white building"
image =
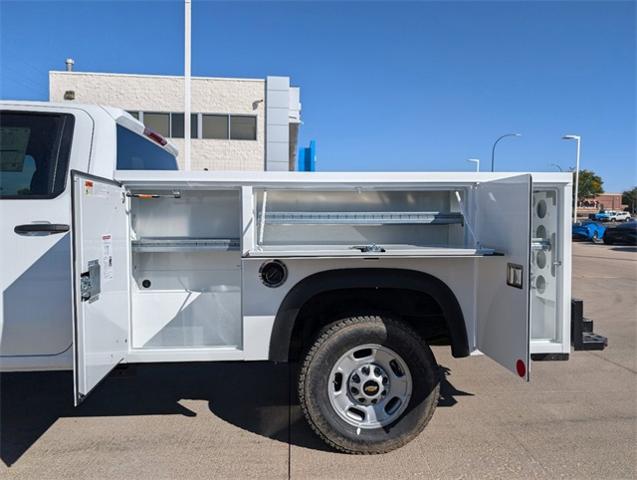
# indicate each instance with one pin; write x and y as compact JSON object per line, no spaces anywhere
{"x":237,"y":123}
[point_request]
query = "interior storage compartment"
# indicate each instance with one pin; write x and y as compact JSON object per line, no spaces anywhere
{"x":363,"y":220}
{"x":197,"y":218}
{"x":186,"y":269}
{"x":545,"y":255}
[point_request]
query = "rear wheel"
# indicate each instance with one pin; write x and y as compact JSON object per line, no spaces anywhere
{"x":368,"y":385}
{"x":596,"y":238}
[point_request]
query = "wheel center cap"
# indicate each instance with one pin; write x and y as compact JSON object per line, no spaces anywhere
{"x":371,"y":388}
{"x":369,"y":384}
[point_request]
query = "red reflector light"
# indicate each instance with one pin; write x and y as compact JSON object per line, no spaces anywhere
{"x":521,"y":368}
{"x":155,"y":136}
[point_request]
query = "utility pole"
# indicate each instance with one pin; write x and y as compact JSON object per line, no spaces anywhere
{"x":187,"y":5}
{"x":577,"y":139}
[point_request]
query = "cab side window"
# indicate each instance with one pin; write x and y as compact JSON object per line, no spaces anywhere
{"x":135,"y":152}
{"x":34,"y":154}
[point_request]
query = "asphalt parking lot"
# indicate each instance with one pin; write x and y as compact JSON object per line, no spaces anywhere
{"x":576,"y":419}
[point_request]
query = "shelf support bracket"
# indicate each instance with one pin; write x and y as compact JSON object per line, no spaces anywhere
{"x":466,"y":219}
{"x":262,"y":222}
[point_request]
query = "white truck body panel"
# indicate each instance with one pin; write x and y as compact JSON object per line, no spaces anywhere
{"x":35,"y":272}
{"x":501,"y":226}
{"x":101,"y":310}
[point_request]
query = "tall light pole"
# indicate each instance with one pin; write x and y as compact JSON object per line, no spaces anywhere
{"x":476,"y":161}
{"x":187,"y":5}
{"x":577,"y":138}
{"x":496,"y":142}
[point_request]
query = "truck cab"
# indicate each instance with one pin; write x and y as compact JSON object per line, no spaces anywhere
{"x":41,"y":144}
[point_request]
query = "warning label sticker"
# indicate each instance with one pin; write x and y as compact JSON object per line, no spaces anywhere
{"x":107,"y":257}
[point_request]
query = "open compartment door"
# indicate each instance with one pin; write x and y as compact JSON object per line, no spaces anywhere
{"x":101,"y":266}
{"x":504,"y":224}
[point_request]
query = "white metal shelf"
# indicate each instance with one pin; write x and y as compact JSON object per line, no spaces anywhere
{"x":393,"y":250}
{"x":362,"y":218}
{"x":181,"y":244}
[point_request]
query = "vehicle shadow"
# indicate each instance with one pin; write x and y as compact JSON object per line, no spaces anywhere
{"x":448,"y":392}
{"x":625,"y":249}
{"x":258,"y":396}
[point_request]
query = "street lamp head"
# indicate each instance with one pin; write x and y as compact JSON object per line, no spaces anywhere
{"x":496,"y":142}
{"x":571,"y":137}
{"x":476,"y":161}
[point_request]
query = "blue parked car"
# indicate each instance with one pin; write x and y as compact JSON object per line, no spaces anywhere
{"x":588,"y":230}
{"x":602,"y":216}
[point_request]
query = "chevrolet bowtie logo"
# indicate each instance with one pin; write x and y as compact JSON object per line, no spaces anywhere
{"x":371,"y":389}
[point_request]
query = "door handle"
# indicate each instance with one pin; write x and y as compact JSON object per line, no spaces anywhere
{"x":38,"y":229}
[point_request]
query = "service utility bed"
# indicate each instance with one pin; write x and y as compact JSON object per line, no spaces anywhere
{"x":180,"y":257}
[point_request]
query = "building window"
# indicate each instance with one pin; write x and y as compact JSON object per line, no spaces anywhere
{"x":134,"y":114}
{"x":177,"y":125}
{"x":215,"y":126}
{"x":243,"y":127}
{"x":159,"y":122}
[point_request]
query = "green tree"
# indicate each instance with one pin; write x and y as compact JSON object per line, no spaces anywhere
{"x":589,"y":184}
{"x":629,"y":197}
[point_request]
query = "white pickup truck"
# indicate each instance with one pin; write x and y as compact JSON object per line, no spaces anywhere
{"x":109,"y":255}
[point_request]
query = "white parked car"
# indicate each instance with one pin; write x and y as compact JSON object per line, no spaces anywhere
{"x":620,"y":217}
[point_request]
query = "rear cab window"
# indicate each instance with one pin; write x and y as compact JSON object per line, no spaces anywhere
{"x":34,"y":153}
{"x":136,"y":152}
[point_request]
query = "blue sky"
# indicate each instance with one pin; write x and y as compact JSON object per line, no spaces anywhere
{"x":384,"y":86}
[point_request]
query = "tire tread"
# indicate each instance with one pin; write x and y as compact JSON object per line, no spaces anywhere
{"x":327,"y":332}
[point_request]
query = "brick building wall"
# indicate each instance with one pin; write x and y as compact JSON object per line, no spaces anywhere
{"x":605,"y":201}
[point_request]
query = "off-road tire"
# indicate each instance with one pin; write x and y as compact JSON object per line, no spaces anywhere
{"x":331,"y":343}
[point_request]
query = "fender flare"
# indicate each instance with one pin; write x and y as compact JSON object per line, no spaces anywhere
{"x":355,"y":278}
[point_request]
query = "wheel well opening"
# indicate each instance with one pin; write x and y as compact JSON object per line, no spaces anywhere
{"x":418,"y":309}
